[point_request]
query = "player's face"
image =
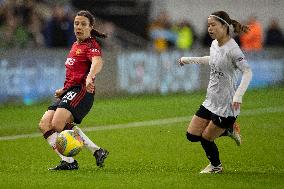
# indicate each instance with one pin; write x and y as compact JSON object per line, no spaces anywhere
{"x":82,"y":28}
{"x":216,"y":29}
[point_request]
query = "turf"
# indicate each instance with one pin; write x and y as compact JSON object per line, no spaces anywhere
{"x":157,"y":156}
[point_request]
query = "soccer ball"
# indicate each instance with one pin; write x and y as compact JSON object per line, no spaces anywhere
{"x":69,"y":143}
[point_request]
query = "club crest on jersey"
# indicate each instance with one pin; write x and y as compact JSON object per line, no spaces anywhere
{"x":78,"y":51}
{"x":240,"y":59}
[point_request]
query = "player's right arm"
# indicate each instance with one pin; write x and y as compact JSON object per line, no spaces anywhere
{"x":194,"y":60}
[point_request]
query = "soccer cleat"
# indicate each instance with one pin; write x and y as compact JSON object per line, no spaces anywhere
{"x":235,"y":134}
{"x":100,"y":156}
{"x":65,"y":166}
{"x":212,"y":169}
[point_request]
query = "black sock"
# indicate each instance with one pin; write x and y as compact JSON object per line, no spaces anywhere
{"x":225,"y":133}
{"x":69,"y":126}
{"x":211,"y":151}
{"x":192,"y":138}
{"x":48,"y":133}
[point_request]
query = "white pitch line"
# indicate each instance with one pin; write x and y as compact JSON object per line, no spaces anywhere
{"x":156,"y":122}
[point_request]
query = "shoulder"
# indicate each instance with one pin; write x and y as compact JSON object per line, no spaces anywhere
{"x":233,"y":44}
{"x":214,"y":43}
{"x":234,"y":49}
{"x":92,"y":43}
{"x":92,"y":48}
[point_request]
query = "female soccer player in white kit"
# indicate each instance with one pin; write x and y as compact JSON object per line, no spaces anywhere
{"x":223,"y":99}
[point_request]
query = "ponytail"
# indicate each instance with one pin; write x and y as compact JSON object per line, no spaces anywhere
{"x":239,"y":28}
{"x":234,"y":27}
{"x":96,"y":33}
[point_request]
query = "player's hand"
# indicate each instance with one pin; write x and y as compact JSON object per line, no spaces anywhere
{"x":180,"y":62}
{"x":236,"y":106}
{"x":90,"y":85}
{"x":59,"y":92}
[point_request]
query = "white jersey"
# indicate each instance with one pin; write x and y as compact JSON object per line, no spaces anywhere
{"x":224,"y":62}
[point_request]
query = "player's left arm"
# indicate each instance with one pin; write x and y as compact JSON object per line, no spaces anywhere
{"x":96,"y":67}
{"x":244,"y":67}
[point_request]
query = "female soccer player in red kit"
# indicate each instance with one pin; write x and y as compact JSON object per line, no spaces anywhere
{"x":75,"y":99}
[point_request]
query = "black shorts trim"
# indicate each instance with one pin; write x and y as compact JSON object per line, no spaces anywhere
{"x":222,"y":122}
{"x":77,"y":100}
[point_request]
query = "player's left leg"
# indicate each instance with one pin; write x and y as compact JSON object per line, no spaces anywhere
{"x":211,"y":132}
{"x":88,"y":143}
{"x":99,"y":153}
{"x":235,"y":133}
{"x":232,"y":130}
{"x":79,"y":110}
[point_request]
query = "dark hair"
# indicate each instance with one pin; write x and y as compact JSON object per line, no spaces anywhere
{"x":238,"y":28}
{"x":91,"y":18}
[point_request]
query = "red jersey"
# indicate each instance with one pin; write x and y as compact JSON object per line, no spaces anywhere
{"x":79,"y":61}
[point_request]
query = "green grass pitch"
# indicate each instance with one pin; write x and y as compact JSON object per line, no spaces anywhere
{"x":149,"y":156}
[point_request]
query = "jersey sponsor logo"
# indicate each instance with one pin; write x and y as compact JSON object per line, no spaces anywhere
{"x":70,"y":61}
{"x":95,"y":50}
{"x":217,"y":73}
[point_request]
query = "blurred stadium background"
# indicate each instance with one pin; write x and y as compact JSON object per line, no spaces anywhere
{"x":145,"y":40}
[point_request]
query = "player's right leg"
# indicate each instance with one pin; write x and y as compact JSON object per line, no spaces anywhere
{"x":198,"y":124}
{"x":45,"y":126}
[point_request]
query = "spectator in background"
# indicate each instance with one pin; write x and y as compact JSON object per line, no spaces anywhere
{"x":109,"y":28}
{"x":3,"y":9}
{"x":206,"y":40}
{"x":14,"y":28}
{"x":59,"y":29}
{"x":21,"y":24}
{"x":274,"y":36}
{"x":185,"y":35}
{"x":161,"y":34}
{"x":35,"y":29}
{"x":253,"y":40}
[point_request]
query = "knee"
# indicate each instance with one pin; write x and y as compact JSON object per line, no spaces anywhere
{"x":44,"y":125}
{"x":192,"y":138}
{"x":207,"y":137}
{"x":57,"y":125}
